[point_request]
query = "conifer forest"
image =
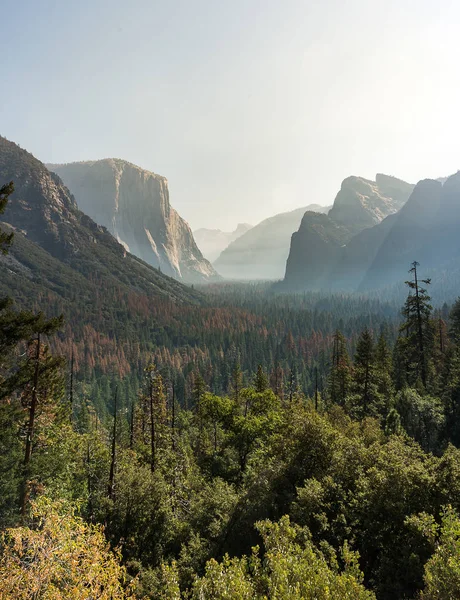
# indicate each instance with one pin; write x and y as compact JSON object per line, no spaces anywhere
{"x":242,"y":442}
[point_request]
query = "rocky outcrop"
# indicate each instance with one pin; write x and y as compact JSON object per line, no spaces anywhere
{"x":363,"y":203}
{"x":405,"y":237}
{"x":357,"y":256}
{"x":425,"y":229}
{"x":261,"y":252}
{"x":212,"y":242}
{"x":315,"y":250}
{"x":56,"y":238}
{"x":359,"y":207}
{"x":133,"y":204}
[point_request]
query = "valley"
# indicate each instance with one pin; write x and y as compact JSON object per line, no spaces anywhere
{"x":197,"y":417}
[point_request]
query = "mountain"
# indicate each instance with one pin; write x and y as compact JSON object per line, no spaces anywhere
{"x":261,"y":252}
{"x":327,"y":254}
{"x":212,"y":242}
{"x":60,"y":252}
{"x":362,"y":203}
{"x":315,"y":249}
{"x":424,"y":229}
{"x":406,"y":237}
{"x":133,"y":204}
{"x":357,"y":255}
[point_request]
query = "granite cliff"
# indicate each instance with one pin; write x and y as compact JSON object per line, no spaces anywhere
{"x":338,"y":256}
{"x":363,"y":203}
{"x":425,"y":229}
{"x":133,"y":204}
{"x":60,"y":249}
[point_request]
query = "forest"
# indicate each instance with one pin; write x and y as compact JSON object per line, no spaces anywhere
{"x":254,"y":445}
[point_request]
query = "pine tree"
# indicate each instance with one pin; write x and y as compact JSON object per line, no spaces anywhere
{"x":363,"y":383}
{"x":277,"y":380}
{"x":340,"y":373}
{"x":416,"y":330}
{"x":450,"y":393}
{"x":199,"y":389}
{"x":293,"y":385}
{"x":261,"y":380}
{"x":384,"y":370}
{"x":113,"y":455}
{"x":36,"y":380}
{"x":237,"y":380}
{"x":156,"y":410}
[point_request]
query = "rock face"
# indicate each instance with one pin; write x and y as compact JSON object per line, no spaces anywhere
{"x":315,"y":249}
{"x":212,"y":242}
{"x":424,"y":229}
{"x":261,"y":252}
{"x":406,"y":237}
{"x":363,"y":203}
{"x":339,"y":258}
{"x":55,"y":237}
{"x":134,"y":206}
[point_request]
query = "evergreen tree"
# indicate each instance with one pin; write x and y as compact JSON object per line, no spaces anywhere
{"x":277,"y":380}
{"x":157,"y":411}
{"x":340,"y":373}
{"x":450,"y":393}
{"x":199,"y":389}
{"x":113,"y":453}
{"x":236,"y":380}
{"x":261,"y":380}
{"x":363,"y":384}
{"x":31,"y":385}
{"x":384,"y":369}
{"x":416,"y":330}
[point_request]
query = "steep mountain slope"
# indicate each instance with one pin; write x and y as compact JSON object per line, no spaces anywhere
{"x":405,"y":241}
{"x":424,"y":229}
{"x":52,"y":231}
{"x":359,"y":206}
{"x":261,"y":253}
{"x":363,"y":203}
{"x":212,"y":242}
{"x":134,"y":206}
{"x":358,"y":254}
{"x":315,"y":249}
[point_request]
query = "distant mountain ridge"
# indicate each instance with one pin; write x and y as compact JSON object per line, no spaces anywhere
{"x":424,"y":229}
{"x":261,"y":252}
{"x":362,"y":203}
{"x":212,"y":242}
{"x":133,"y":204}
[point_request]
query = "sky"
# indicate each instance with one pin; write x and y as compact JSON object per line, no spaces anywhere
{"x":248,"y":107}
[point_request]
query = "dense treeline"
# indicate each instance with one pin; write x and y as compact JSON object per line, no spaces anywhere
{"x":317,"y":457}
{"x":116,"y":333}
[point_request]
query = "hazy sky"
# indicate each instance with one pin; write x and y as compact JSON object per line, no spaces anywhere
{"x":248,"y":107}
